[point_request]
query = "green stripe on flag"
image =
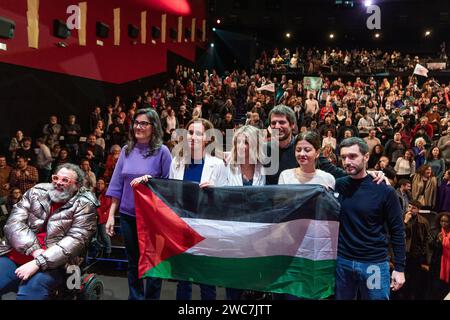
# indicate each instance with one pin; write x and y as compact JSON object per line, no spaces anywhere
{"x":279,"y":274}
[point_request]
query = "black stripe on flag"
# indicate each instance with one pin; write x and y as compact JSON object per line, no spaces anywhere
{"x":266,"y":204}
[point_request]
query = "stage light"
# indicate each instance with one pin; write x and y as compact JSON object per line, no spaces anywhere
{"x":288,"y":35}
{"x":214,"y":29}
{"x":377,"y":35}
{"x":427,"y":33}
{"x":368,"y":3}
{"x":212,"y":45}
{"x":218,"y":21}
{"x":331,"y":35}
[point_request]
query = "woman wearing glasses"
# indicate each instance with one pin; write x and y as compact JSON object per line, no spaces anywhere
{"x":144,"y":155}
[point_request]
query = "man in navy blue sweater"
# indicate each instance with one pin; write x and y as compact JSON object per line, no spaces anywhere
{"x":370,"y":215}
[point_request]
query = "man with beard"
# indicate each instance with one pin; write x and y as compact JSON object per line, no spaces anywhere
{"x":50,"y":227}
{"x":369,"y":212}
{"x":282,"y":122}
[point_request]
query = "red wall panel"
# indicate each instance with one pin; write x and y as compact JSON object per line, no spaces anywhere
{"x":114,"y":64}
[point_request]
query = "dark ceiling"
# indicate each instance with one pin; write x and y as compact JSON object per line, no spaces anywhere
{"x":403,"y":23}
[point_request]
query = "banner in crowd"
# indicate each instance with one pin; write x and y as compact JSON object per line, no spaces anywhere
{"x":421,"y":70}
{"x":268,"y":87}
{"x":312,"y":83}
{"x":436,"y":65}
{"x":280,"y":239}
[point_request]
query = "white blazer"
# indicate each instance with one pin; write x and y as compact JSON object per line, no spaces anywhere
{"x":214,"y":170}
{"x":235,"y":178}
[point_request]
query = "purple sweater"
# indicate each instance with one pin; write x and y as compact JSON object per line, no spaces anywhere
{"x":134,"y":166}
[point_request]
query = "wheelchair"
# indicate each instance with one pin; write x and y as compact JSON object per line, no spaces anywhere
{"x":91,"y":289}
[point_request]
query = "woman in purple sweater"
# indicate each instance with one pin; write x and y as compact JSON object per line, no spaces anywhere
{"x":144,"y":155}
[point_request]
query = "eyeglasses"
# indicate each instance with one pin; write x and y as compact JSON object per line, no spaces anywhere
{"x":65,"y":180}
{"x":142,"y":124}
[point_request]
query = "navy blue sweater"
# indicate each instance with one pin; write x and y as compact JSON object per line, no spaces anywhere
{"x":366,"y":210}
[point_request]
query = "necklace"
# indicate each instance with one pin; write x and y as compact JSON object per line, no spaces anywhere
{"x":300,"y":175}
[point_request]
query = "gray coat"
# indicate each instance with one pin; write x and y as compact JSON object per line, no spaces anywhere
{"x":69,"y":229}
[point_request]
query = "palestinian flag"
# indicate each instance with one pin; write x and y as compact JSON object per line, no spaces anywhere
{"x":280,"y":239}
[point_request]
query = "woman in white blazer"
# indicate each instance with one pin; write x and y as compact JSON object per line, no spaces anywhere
{"x":245,"y":169}
{"x":194,"y":162}
{"x":198,"y":165}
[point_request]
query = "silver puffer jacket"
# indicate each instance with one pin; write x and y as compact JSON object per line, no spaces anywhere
{"x":69,"y":229}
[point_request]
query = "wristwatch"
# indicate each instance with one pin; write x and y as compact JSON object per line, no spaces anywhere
{"x":40,"y":261}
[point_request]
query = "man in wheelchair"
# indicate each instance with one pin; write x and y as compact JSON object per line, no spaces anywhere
{"x":47,"y":230}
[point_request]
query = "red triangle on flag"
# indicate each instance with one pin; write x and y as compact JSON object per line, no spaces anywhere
{"x":161,"y":232}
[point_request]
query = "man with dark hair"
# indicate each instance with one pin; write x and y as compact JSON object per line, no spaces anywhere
{"x":91,"y":151}
{"x":51,"y":226}
{"x":404,"y":193}
{"x":418,"y":236}
{"x":52,"y":131}
{"x":72,"y":131}
{"x":23,"y":176}
{"x":362,"y":264}
{"x":282,"y":122}
{"x":348,"y":126}
{"x":27,"y":152}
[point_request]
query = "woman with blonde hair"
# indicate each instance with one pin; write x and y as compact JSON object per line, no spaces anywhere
{"x":245,"y":166}
{"x":245,"y":169}
{"x":419,"y":151}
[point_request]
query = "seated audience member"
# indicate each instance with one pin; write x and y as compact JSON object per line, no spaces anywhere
{"x":63,"y":157}
{"x":93,"y":153}
{"x":90,"y":180}
{"x":111,"y":162}
{"x":37,"y":248}
{"x":27,"y":151}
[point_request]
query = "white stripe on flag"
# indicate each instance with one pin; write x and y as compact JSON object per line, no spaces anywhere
{"x":303,"y":238}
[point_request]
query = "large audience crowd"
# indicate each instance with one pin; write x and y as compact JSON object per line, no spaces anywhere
{"x":339,"y":61}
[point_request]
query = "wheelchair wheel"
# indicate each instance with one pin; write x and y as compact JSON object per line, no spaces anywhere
{"x":93,"y":290}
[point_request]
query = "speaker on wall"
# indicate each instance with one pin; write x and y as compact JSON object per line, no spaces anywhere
{"x":199,"y":33}
{"x":187,"y":33}
{"x":173,"y":33}
{"x":7,"y":28}
{"x":60,"y":29}
{"x":102,"y":30}
{"x":156,"y":32}
{"x":133,"y":31}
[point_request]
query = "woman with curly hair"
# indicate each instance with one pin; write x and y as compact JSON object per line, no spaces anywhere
{"x":424,"y":186}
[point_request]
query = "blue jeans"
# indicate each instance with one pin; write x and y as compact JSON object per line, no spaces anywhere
{"x":136,"y":285}
{"x":184,"y":291}
{"x":371,"y":280}
{"x":38,"y":287}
